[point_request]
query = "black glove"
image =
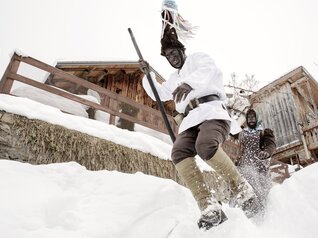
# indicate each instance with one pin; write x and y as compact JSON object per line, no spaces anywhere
{"x":181,"y":92}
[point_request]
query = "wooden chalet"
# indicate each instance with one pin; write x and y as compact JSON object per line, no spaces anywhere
{"x":288,"y":105}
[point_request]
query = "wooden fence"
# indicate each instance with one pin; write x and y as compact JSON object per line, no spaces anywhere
{"x":146,"y":116}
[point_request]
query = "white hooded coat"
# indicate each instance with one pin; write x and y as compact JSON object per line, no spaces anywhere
{"x":200,"y":72}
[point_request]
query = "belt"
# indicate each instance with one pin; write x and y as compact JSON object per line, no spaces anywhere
{"x":196,"y":101}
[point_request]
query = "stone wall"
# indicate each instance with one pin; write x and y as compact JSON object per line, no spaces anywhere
{"x":38,"y":142}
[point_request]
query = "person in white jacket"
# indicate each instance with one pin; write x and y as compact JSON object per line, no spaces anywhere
{"x":198,"y":92}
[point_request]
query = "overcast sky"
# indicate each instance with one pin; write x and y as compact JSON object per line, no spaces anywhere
{"x":265,"y":38}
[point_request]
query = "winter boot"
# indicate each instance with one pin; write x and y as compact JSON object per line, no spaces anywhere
{"x":210,"y":218}
{"x":246,"y":199}
{"x":242,"y":192}
{"x":211,"y":209}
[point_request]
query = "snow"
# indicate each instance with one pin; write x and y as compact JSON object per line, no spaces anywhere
{"x":57,"y":101}
{"x":66,"y":200}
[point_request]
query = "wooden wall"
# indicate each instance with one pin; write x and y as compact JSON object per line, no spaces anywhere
{"x":289,"y":107}
{"x":277,"y":110}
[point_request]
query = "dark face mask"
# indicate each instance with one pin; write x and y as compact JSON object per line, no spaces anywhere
{"x":175,"y":57}
{"x":251,"y":120}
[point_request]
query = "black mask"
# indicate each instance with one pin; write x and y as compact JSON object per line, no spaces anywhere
{"x":175,"y":57}
{"x":251,"y":120}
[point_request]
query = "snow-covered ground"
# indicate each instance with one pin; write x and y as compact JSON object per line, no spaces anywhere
{"x":66,"y":200}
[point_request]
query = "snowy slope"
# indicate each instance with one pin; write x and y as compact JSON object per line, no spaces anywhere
{"x":66,"y":200}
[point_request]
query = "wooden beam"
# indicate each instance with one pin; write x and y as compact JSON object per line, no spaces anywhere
{"x":312,"y":98}
{"x":298,"y":82}
{"x":304,"y":96}
{"x":101,"y":76}
{"x":13,"y":66}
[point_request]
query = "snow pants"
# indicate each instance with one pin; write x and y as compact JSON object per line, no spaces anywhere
{"x":203,"y":139}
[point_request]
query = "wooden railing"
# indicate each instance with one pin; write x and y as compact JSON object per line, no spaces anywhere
{"x":145,"y":112}
{"x":311,"y":135}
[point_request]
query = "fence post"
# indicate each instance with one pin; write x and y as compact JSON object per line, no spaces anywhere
{"x":6,"y":83}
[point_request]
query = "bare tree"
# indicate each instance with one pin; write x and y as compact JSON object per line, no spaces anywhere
{"x":239,"y":91}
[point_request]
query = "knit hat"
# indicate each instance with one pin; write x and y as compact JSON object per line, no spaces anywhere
{"x":170,"y":40}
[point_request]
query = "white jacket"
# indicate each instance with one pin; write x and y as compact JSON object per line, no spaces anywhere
{"x":200,"y":72}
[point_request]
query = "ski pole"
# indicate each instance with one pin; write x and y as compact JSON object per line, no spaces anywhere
{"x":153,"y":88}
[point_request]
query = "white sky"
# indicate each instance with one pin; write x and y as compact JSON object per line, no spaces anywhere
{"x":266,"y":38}
{"x":65,"y":200}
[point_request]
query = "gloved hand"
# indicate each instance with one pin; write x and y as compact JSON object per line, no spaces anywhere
{"x":143,"y":65}
{"x":263,"y":155}
{"x":181,"y":92}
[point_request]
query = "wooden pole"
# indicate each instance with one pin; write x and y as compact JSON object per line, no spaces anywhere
{"x":154,"y":90}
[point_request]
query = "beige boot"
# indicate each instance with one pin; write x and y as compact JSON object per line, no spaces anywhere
{"x":243,"y":194}
{"x":193,"y":178}
{"x":212,"y":214}
{"x":224,"y":166}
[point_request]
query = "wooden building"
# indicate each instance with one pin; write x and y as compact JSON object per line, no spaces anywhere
{"x":288,"y":105}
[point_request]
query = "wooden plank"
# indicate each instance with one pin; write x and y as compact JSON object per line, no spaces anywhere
{"x":13,"y":66}
{"x":134,"y":87}
{"x":140,"y":92}
{"x":130,"y":86}
{"x":7,"y":86}
{"x":304,"y":95}
{"x":107,"y":86}
{"x":313,"y":145}
{"x":309,"y":89}
{"x":298,"y":82}
{"x":112,"y":120}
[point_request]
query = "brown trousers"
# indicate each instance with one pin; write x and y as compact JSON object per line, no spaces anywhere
{"x":203,"y":139}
